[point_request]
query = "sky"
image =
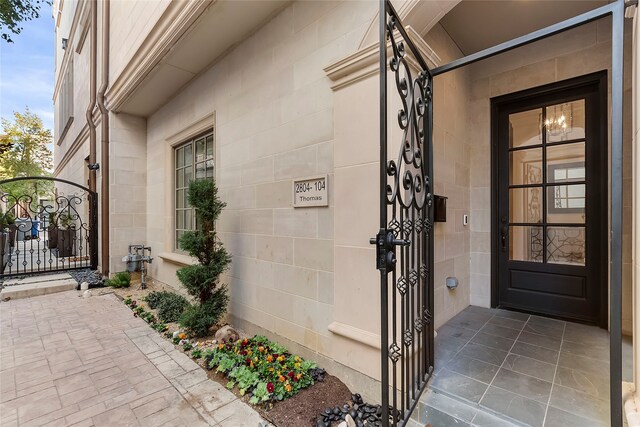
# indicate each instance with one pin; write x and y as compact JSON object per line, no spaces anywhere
{"x":27,"y":69}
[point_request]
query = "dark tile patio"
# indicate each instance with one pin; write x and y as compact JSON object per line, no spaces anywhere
{"x":502,"y":368}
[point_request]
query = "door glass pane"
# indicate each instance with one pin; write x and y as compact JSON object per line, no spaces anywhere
{"x":525,"y":243}
{"x":525,"y":128}
{"x":566,"y":245}
{"x":525,"y":205}
{"x":565,"y":121}
{"x":566,"y":203}
{"x":525,"y":166}
{"x":566,"y":163}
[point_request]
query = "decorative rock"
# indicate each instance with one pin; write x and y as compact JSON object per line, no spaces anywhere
{"x":349,"y":420}
{"x":343,"y":424}
{"x":84,"y":286}
{"x":86,"y":294}
{"x":227,"y":334}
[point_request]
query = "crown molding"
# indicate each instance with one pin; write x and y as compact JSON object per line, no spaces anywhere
{"x":175,"y":21}
{"x":194,"y":129}
{"x":366,"y":61}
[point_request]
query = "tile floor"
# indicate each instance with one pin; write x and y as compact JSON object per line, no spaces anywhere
{"x":529,"y":370}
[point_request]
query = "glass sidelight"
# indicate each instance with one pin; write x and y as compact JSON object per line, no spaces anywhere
{"x":547,"y":185}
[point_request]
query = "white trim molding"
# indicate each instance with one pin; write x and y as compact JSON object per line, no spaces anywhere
{"x":176,"y":20}
{"x":356,"y":334}
{"x":365,"y":62}
{"x":202,"y":125}
{"x":179,"y":259}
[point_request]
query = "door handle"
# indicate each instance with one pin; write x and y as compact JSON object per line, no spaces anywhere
{"x":386,"y":243}
{"x":503,"y":238}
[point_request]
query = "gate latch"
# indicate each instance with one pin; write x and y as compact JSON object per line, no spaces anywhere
{"x":386,"y":243}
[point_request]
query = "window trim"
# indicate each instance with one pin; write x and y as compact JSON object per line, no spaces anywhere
{"x":191,"y":141}
{"x":205,"y":123}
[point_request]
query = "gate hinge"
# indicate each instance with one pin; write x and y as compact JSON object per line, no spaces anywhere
{"x":386,"y":243}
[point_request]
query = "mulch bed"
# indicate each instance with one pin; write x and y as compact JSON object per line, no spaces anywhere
{"x":302,"y":409}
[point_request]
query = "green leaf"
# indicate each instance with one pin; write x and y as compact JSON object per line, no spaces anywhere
{"x":230,"y":385}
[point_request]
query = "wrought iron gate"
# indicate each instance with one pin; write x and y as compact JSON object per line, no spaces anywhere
{"x":46,"y":224}
{"x":406,"y":222}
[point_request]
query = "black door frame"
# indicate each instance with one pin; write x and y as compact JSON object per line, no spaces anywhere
{"x":535,"y":96}
{"x":616,"y":11}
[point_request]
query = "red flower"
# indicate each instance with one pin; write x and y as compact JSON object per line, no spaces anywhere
{"x":275,"y":355}
{"x":270,"y":387}
{"x":247,"y":361}
{"x":243,"y":352}
{"x":295,"y":379}
{"x":291,"y":374}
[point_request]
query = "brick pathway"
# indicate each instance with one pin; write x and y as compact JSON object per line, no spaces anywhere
{"x":66,"y":360}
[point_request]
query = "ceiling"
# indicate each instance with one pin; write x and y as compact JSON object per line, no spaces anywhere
{"x":478,"y":24}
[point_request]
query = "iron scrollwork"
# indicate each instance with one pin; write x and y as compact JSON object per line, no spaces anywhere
{"x":44,"y":228}
{"x":405,"y":241}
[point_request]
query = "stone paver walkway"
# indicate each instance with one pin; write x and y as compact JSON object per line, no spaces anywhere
{"x":66,"y":360}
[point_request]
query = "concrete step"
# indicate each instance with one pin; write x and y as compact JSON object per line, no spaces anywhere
{"x":38,"y":288}
{"x":37,"y":279}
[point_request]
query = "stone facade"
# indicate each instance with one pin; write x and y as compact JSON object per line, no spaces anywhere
{"x":297,"y":96}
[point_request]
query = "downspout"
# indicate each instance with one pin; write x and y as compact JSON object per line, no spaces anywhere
{"x":104,"y":139}
{"x":92,"y":94}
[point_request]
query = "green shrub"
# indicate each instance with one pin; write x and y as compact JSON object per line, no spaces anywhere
{"x":121,"y":279}
{"x":202,"y":280}
{"x":198,"y":318}
{"x":170,"y":306}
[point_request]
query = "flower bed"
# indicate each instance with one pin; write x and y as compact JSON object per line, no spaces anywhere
{"x":262,"y":368}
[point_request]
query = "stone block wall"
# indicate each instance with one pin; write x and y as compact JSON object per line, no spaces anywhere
{"x":271,"y":109}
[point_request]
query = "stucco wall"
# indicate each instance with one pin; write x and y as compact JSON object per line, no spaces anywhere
{"x":577,"y":52}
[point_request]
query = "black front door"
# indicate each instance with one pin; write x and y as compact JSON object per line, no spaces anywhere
{"x":549,"y":192}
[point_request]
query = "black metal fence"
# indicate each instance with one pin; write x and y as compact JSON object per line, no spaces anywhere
{"x":46,"y":225}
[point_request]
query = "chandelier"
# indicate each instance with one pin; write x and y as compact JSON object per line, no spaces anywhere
{"x":559,"y":121}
